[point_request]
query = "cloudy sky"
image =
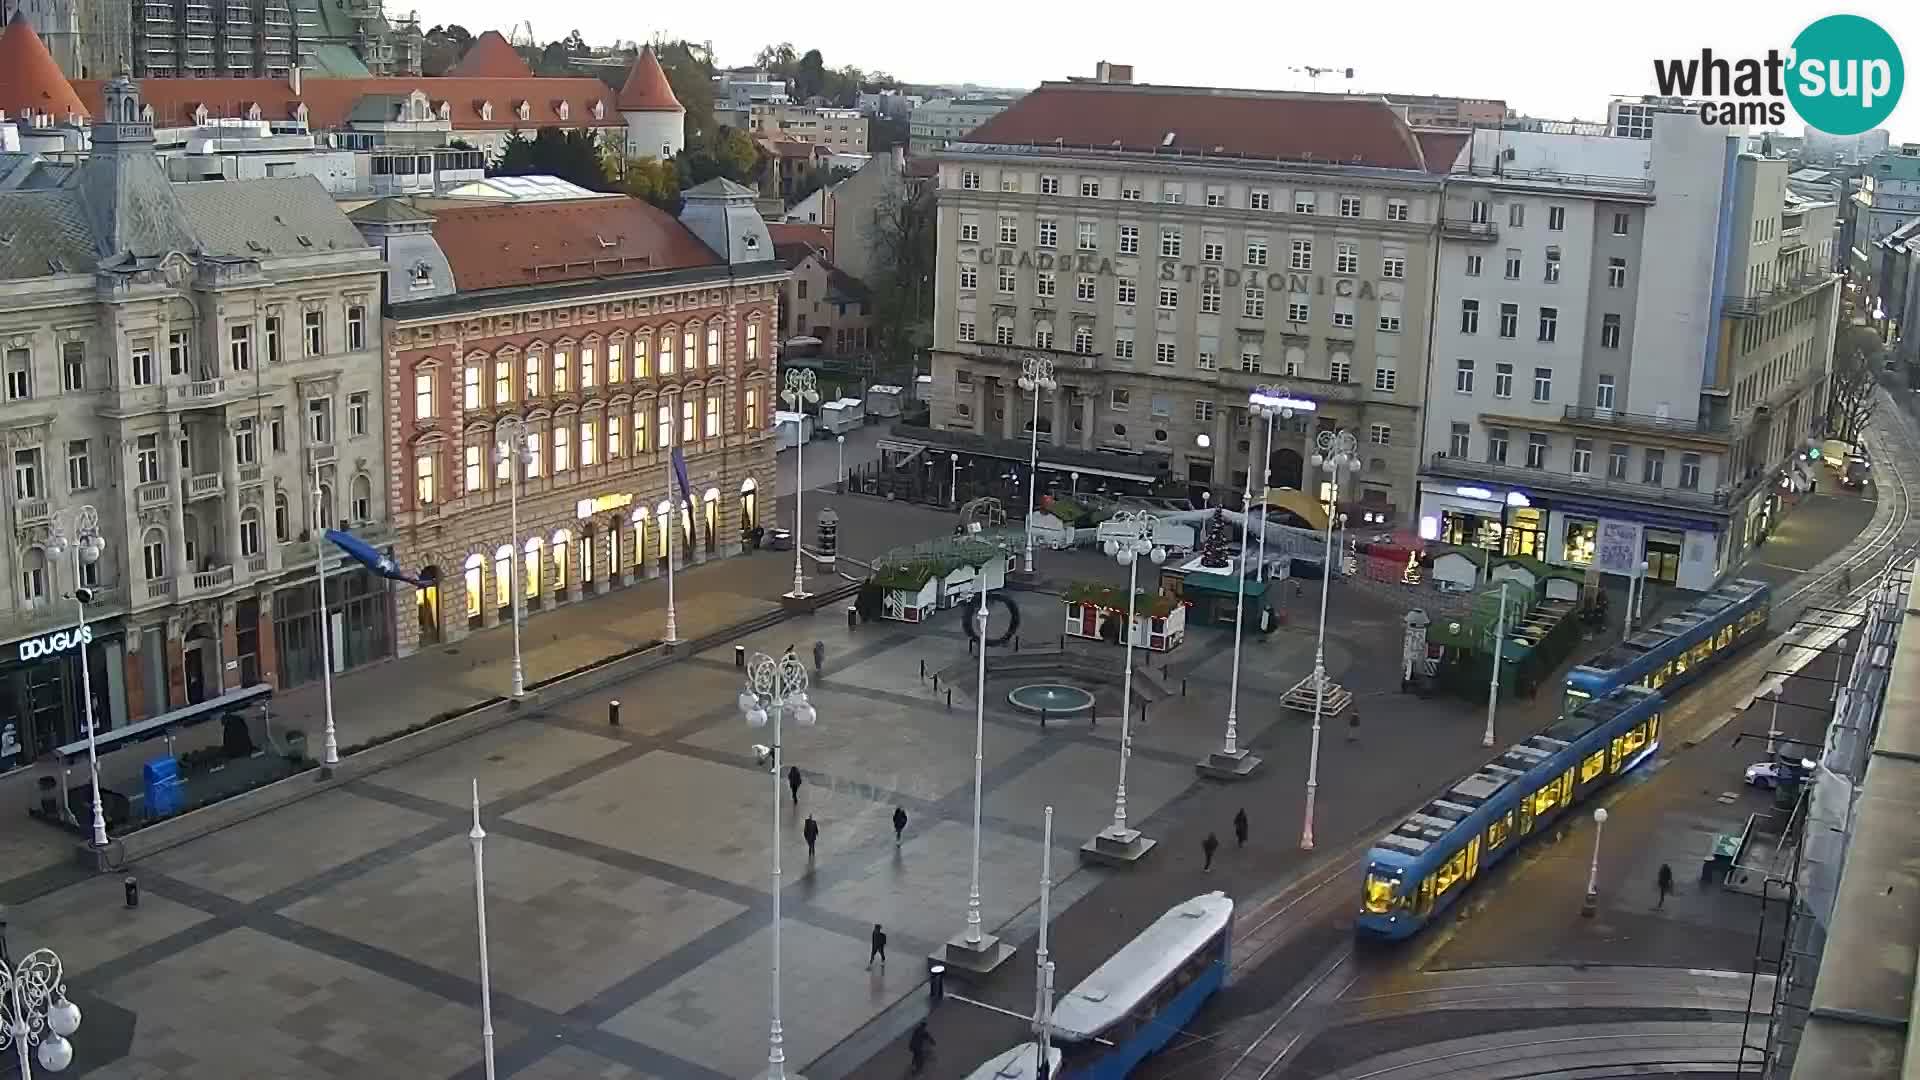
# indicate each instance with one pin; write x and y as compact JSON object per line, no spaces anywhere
{"x":1553,"y":60}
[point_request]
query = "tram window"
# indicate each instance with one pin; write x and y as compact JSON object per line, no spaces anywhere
{"x":1620,"y":750}
{"x":1501,"y":828}
{"x":1724,"y":638}
{"x":1450,"y":873}
{"x":1702,"y":652}
{"x":1380,"y":893}
{"x":1678,"y":666}
{"x":1473,"y":857}
{"x":1526,"y":815}
{"x":1593,"y":766}
{"x":1423,"y":903}
{"x":1544,"y":800}
{"x":1653,"y":727}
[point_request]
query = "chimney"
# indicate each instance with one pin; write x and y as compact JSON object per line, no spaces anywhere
{"x":1107,"y":72}
{"x":293,"y":80}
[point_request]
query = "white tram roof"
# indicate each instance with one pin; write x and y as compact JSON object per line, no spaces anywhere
{"x":1118,"y":986}
{"x":1015,"y":1063}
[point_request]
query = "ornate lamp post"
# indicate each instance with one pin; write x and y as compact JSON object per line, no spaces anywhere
{"x":774,"y":687}
{"x":330,"y":742}
{"x":34,"y":1010}
{"x":86,"y":543}
{"x":1592,"y":901}
{"x":1036,"y":374}
{"x":1335,"y":452}
{"x":510,"y":447}
{"x":1129,"y":537}
{"x":797,"y":391}
{"x":1271,"y":403}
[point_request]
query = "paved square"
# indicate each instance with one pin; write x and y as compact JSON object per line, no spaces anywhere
{"x":281,"y":849}
{"x":1078,"y":782}
{"x":504,"y":760}
{"x":249,"y":1005}
{"x":922,"y":889}
{"x":717,"y":1014}
{"x":675,"y":695}
{"x":573,"y":1063}
{"x":563,"y":928}
{"x":89,"y":923}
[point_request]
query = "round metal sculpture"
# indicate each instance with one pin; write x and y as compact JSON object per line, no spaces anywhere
{"x":1052,"y":698}
{"x":972,"y":619}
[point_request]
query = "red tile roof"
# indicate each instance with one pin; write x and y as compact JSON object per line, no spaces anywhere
{"x":330,"y":101}
{"x":647,"y":88}
{"x":1199,"y":120}
{"x":817,"y":237}
{"x":1440,"y":148}
{"x":491,"y":57}
{"x":29,"y":79}
{"x":496,"y":246}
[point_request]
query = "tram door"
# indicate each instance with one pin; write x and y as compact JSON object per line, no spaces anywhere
{"x":1473,"y":857}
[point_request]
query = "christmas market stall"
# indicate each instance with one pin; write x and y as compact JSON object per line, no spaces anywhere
{"x":1097,"y":611}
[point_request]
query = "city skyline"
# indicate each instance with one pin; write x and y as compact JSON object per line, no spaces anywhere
{"x":1615,"y":56}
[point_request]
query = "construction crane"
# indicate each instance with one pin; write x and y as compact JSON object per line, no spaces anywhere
{"x":521,"y":33}
{"x":1314,"y":73}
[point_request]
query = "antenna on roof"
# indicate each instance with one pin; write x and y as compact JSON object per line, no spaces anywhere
{"x":1314,"y":73}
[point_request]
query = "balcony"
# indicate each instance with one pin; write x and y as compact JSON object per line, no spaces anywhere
{"x":30,"y":512}
{"x":1636,"y":187}
{"x":1665,"y":425}
{"x":205,"y":486}
{"x":150,"y":496}
{"x":1755,"y":306}
{"x":249,"y":475}
{"x":203,"y":394}
{"x":256,"y":564}
{"x":1455,"y":228}
{"x":206,"y":581}
{"x":1012,"y":355}
{"x":320,"y":454}
{"x":1298,"y":385}
{"x":1443,"y":465}
{"x":160,"y":589}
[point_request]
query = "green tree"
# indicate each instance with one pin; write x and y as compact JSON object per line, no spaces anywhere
{"x":818,"y":177}
{"x":776,"y":58}
{"x":728,"y":152}
{"x":573,"y":156}
{"x":516,"y":156}
{"x":656,"y":181}
{"x":689,"y":70}
{"x":443,"y":47}
{"x":810,"y":75}
{"x":901,"y":236}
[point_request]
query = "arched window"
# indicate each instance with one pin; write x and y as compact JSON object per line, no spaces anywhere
{"x":1003,"y":330}
{"x":503,"y":576}
{"x":153,"y":553}
{"x":639,"y":538}
{"x":1043,"y":334}
{"x":585,"y":549}
{"x":533,"y":566}
{"x":665,"y":352}
{"x":713,"y":343}
{"x":753,"y":339}
{"x":33,"y":576}
{"x":250,"y":532}
{"x":661,"y":516}
{"x":327,"y":512}
{"x":282,"y":518}
{"x":562,"y":544}
{"x":710,"y":517}
{"x":476,"y":585}
{"x":749,"y":504}
{"x":362,"y":498}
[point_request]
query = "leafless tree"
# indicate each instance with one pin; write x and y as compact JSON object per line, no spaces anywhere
{"x":1851,"y":386}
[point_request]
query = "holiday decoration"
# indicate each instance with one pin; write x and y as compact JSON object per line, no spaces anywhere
{"x":1213,"y":549}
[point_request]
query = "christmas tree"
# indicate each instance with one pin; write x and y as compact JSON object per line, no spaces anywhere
{"x":1213,"y":549}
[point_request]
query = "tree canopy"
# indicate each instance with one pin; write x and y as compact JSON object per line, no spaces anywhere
{"x":573,"y":156}
{"x":443,"y":47}
{"x":809,"y":76}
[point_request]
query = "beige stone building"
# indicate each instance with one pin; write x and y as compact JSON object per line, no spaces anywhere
{"x":596,"y":337}
{"x":1171,"y":249}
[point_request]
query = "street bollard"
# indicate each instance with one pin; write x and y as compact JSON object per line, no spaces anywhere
{"x":1183,"y":688}
{"x":740,"y":657}
{"x":936,"y":682}
{"x":1043,"y":719}
{"x":936,"y":983}
{"x":923,"y":667}
{"x":853,"y":618}
{"x":949,"y":698}
{"x":1016,"y":643}
{"x":613,"y":713}
{"x":133,"y":891}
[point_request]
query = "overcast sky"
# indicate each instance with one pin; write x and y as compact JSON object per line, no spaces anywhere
{"x":1550,"y":60}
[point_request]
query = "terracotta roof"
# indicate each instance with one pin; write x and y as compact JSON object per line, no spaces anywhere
{"x":1441,"y":148}
{"x":818,"y":237}
{"x":794,"y":148}
{"x":491,"y":57}
{"x":330,"y":102}
{"x":495,"y":246}
{"x":29,"y":79}
{"x":647,"y":88}
{"x":1198,"y":120}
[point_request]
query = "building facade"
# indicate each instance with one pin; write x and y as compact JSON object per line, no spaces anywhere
{"x":1169,"y":272}
{"x":1439,"y":111}
{"x":839,"y":130}
{"x":197,"y":364}
{"x":940,"y":121}
{"x":1888,"y":198}
{"x":1631,"y":337}
{"x":595,"y":369}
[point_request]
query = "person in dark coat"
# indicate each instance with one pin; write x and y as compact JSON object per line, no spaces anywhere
{"x":1207,"y":847}
{"x":1240,"y":827}
{"x":879,"y":952}
{"x":1665,"y":884}
{"x":793,"y":782}
{"x":899,"y":824}
{"x":1353,"y":727}
{"x":811,"y":830}
{"x":819,"y":658}
{"x":919,"y":1045}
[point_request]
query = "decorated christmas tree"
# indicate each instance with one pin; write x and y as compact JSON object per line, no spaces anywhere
{"x":1213,"y":548}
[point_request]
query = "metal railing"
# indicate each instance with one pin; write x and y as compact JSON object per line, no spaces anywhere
{"x":1785,"y":292}
{"x":1643,"y":421}
{"x":1461,"y":468}
{"x":1497,"y":171}
{"x":1467,"y":229}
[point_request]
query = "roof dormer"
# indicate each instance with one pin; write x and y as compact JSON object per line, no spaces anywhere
{"x":484,"y":108}
{"x":443,"y":110}
{"x":523,"y":110}
{"x":562,"y":110}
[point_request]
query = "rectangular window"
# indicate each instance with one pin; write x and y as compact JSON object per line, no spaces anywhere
{"x":1460,"y":444}
{"x":1536,"y":451}
{"x":1301,"y":257}
{"x":1503,"y":380}
{"x":589,"y":443}
{"x":357,"y":413}
{"x":1380,"y":435}
{"x":1256,"y":251}
{"x":969,"y":232}
{"x":1216,"y":196}
{"x":1463,"y":376}
{"x":315,"y":326}
{"x":1549,"y":323}
{"x":1259,"y":200}
{"x":1173,"y":194}
{"x":616,"y":370}
{"x":277,"y":430}
{"x":470,"y":386}
{"x":1497,"y":445}
{"x":1473,"y":266}
{"x":1254,"y":303}
{"x":1509,"y":320}
{"x":1210,"y":298}
{"x":1123,"y":347}
{"x":1397,"y":210}
{"x":502,"y":382}
{"x":1582,"y":456}
{"x":1481,"y":212}
{"x":1616,"y":273}
{"x":1298,"y":311}
{"x":240,"y":347}
{"x":1346,"y":258}
{"x":1213,"y":251}
{"x":1169,"y":297}
{"x":142,"y":363}
{"x":423,"y":479}
{"x":474,"y":468}
{"x":1513,"y":266}
{"x":26,"y":473}
{"x":1131,"y":192}
{"x":970,"y":179}
{"x":356,"y":328}
{"x":965,"y":330}
{"x":616,"y":438}
{"x":1340,"y":371}
{"x":1690,"y":472}
{"x":1542,"y":384}
{"x":1166,"y":352}
{"x":1616,"y":462}
{"x":689,"y":423}
{"x":179,"y":352}
{"x":1170,"y":243}
{"x":1049,"y":233}
{"x":422,"y":396}
{"x":1043,"y":336}
{"x":146,"y":458}
{"x":1089,"y":189}
{"x":688,"y":344}
{"x":80,"y":466}
{"x":1517,"y":214}
{"x":273,"y":339}
{"x":1556,"y":218}
{"x":533,"y":383}
{"x":1553,"y":266}
{"x":1049,"y":185}
{"x":1350,"y":206}
{"x":1469,"y":316}
{"x":1384,"y":378}
{"x":1250,"y":360}
{"x":590,"y":374}
{"x":1043,"y":284}
{"x":1342,"y":319}
{"x":1129,"y":239}
{"x":1609,"y":331}
{"x":1203,"y":412}
{"x":562,"y":448}
{"x":1009,"y":230}
{"x":1008,"y":279}
{"x":1084,"y":289}
{"x":1303,"y":202}
{"x":1620,"y":221}
{"x":319,"y":421}
{"x":969,"y":276}
{"x":1087,"y":236}
{"x":19,"y":374}
{"x":1119,"y":399}
{"x":1124,"y":291}
{"x":1393,"y":267}
{"x":1653,"y":468}
{"x":1603,"y":393}
{"x":1003,"y":332}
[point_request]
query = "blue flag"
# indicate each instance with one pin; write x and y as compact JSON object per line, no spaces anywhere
{"x":368,"y":556}
{"x":680,"y":473}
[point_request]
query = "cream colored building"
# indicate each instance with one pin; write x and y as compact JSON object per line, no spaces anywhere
{"x":1172,"y":249}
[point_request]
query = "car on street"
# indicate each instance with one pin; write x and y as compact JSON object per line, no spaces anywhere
{"x":1768,"y":775}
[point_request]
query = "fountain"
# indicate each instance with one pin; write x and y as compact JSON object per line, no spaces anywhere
{"x":1055,"y":699}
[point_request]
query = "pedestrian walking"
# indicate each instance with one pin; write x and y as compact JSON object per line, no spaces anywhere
{"x":899,"y":824}
{"x":793,"y":783}
{"x":1240,"y":827}
{"x":1207,"y":847}
{"x":919,"y":1045}
{"x":819,"y":658}
{"x":811,"y":830}
{"x":1665,"y":884}
{"x":1353,"y":726}
{"x":879,"y":948}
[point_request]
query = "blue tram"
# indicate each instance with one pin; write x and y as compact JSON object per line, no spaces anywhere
{"x":1677,"y":649}
{"x":1139,"y":999}
{"x":1423,"y":866}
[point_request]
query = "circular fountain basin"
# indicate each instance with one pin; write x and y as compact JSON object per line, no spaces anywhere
{"x":1052,"y":698}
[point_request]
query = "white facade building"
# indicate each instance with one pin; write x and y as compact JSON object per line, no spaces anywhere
{"x":1630,"y":341}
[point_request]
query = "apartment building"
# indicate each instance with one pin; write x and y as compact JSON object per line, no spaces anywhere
{"x":594,"y":337}
{"x":838,"y":130}
{"x":935,"y":124}
{"x":1440,"y":111}
{"x":1170,"y":249}
{"x":195,"y":365}
{"x":1631,"y":337}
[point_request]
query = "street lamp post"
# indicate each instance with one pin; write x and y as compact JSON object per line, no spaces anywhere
{"x":798,"y":390}
{"x":1592,"y":901}
{"x":954,"y":481}
{"x":774,"y":687}
{"x":1036,"y":374}
{"x":478,"y":837}
{"x":1073,"y":489}
{"x":974,"y":950}
{"x":840,"y":477}
{"x":1270,"y":403}
{"x":1336,"y":452}
{"x":34,"y":1010}
{"x":510,"y":447}
{"x":86,"y":544}
{"x":1773,"y":727}
{"x":1499,"y":653}
{"x":330,"y":741}
{"x":1129,"y":537}
{"x":1230,"y":762}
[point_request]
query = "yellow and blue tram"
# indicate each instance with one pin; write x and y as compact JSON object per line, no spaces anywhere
{"x":1424,"y":865}
{"x":1680,"y":648}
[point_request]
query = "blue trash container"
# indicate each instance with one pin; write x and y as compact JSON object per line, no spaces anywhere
{"x":165,"y":794}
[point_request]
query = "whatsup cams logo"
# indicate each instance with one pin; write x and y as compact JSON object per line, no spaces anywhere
{"x":1843,"y":75}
